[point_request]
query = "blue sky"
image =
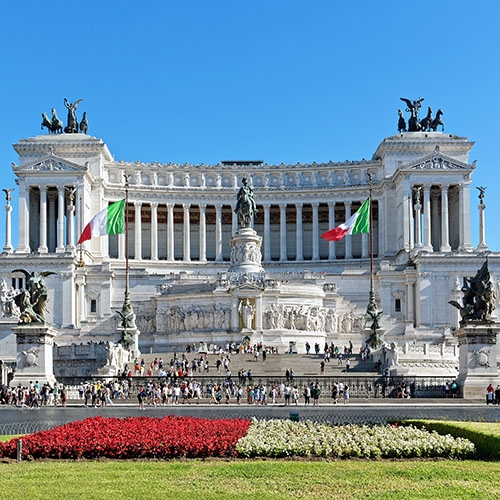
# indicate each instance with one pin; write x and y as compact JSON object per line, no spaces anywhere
{"x":280,"y":81}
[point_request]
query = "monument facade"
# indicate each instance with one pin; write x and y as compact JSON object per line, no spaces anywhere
{"x":222,"y":252}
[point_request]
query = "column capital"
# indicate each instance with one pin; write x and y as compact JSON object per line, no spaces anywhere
{"x":202,"y":206}
{"x":138,"y":203}
{"x":170,"y":206}
{"x":154,"y":204}
{"x":299,"y":204}
{"x":315,"y":204}
{"x":186,"y":206}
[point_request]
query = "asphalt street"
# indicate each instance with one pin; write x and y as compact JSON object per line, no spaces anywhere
{"x":16,"y":420}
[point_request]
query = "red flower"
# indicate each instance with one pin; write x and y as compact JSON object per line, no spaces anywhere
{"x":137,"y":437}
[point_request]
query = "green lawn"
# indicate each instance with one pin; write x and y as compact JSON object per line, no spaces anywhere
{"x":259,"y":479}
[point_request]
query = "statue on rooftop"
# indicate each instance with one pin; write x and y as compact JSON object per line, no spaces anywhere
{"x":413,"y":107}
{"x":72,"y":126}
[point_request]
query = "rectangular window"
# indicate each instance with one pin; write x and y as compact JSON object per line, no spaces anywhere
{"x":397,"y":305}
{"x":93,"y":306}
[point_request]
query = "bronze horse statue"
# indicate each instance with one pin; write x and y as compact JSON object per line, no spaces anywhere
{"x":426,"y":123}
{"x":54,"y":126}
{"x":437,"y":121}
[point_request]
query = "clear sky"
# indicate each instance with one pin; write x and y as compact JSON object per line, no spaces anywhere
{"x":280,"y":81}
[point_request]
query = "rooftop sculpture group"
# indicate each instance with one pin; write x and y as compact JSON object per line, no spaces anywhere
{"x":55,"y":126}
{"x":478,"y":302}
{"x":414,"y":124}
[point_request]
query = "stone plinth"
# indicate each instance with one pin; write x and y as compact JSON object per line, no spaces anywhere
{"x":246,"y":255}
{"x":34,"y":354}
{"x":477,"y":358}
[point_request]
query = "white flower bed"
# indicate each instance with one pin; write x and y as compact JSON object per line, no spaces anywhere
{"x":283,"y":438}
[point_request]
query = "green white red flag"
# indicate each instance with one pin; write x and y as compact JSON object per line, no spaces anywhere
{"x":111,"y":220}
{"x":357,"y":223}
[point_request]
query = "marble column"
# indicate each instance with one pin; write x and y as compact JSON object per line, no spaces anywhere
{"x":435,"y":221}
{"x":482,"y":230}
{"x":70,"y":217}
{"x":427,"y":218}
{"x":365,"y":245}
{"x":218,"y":232}
{"x":299,"y":232}
{"x":315,"y":231}
{"x":43,"y":220}
{"x":60,"y":219}
{"x":154,"y":231}
{"x":464,"y":215}
{"x":283,"y":243}
{"x":51,"y":221}
{"x":138,"y":231}
{"x":187,"y":232}
{"x":23,"y":244}
{"x":445,"y":226}
{"x":203,"y":232}
{"x":8,"y":228}
{"x":348,"y":238}
{"x":170,"y":232}
{"x":121,"y":246}
{"x":409,"y":241}
{"x":331,"y":225}
{"x":267,"y":232}
{"x":418,"y":224}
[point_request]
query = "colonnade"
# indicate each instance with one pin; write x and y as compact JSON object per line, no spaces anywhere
{"x":201,"y":232}
{"x":46,"y":219}
{"x":437,"y":217}
{"x":50,"y":222}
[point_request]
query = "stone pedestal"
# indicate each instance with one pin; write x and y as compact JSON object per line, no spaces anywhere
{"x":246,"y":255}
{"x":34,"y":354}
{"x":477,"y":358}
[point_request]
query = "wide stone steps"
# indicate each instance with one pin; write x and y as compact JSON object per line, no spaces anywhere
{"x":275,"y":364}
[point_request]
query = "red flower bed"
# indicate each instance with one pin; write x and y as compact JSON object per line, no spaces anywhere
{"x":137,"y":437}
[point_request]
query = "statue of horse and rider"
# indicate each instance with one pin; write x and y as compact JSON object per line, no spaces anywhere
{"x":245,"y":205}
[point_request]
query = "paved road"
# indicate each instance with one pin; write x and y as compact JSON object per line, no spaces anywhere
{"x":15,"y":420}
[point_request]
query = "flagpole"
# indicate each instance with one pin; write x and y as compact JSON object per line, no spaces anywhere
{"x":371,"y":302}
{"x":127,"y":294}
{"x":372,"y":310}
{"x":127,"y":326}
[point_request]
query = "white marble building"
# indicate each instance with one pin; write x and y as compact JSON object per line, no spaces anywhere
{"x":181,"y":220}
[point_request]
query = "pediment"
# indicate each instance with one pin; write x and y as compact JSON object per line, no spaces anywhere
{"x":438,"y":161}
{"x":50,"y":163}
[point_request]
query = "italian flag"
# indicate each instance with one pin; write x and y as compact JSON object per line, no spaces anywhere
{"x":357,"y":223}
{"x":111,"y":220}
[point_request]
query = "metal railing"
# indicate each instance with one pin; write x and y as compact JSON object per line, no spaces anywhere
{"x":377,"y":386}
